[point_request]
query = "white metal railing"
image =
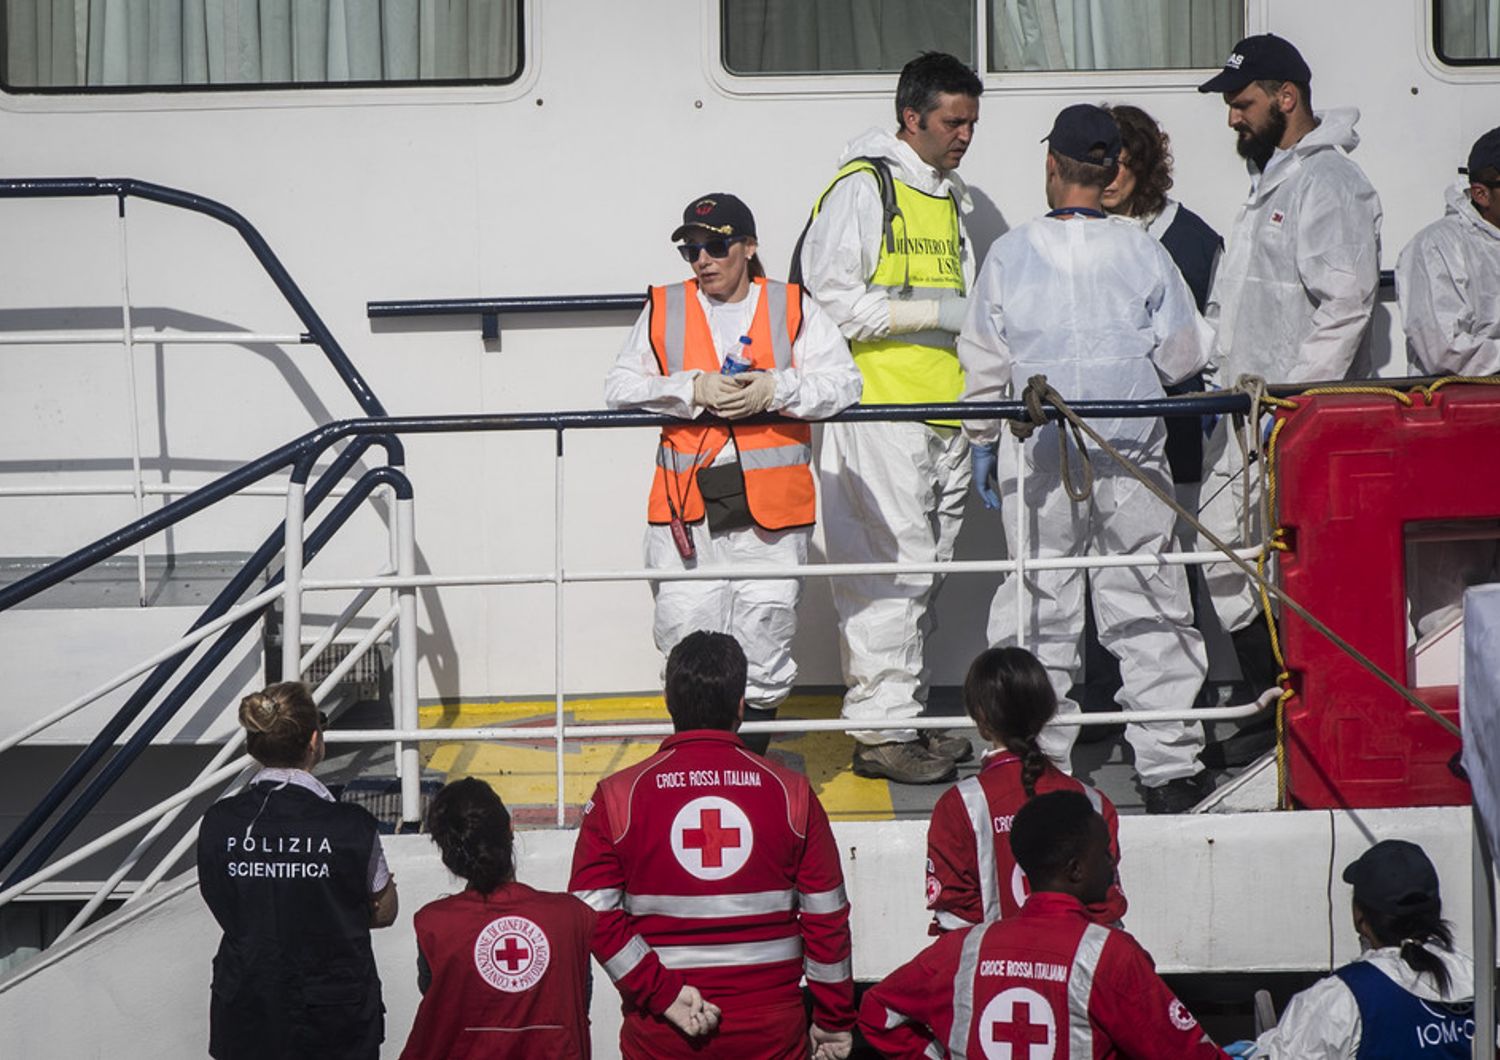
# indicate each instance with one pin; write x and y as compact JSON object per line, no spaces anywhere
{"x":405,"y":583}
{"x":399,"y":618}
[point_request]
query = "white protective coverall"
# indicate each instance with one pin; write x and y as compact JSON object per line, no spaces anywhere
{"x":1448,"y":283}
{"x":1291,"y":303}
{"x":891,"y":491}
{"x":1098,"y":307}
{"x":760,"y":613}
{"x":1322,"y":1022}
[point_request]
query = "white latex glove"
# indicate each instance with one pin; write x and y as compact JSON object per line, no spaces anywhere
{"x":756,"y":392}
{"x":953,"y":310}
{"x":829,"y":1045}
{"x":912,"y":314}
{"x":711,"y":389}
{"x":691,"y":1014}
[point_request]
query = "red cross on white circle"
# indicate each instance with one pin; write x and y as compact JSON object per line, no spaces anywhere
{"x":1018,"y":1024}
{"x":711,"y":837}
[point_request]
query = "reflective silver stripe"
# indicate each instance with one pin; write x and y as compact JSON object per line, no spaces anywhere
{"x":775,"y":456}
{"x":624,"y":962}
{"x":731,"y":954}
{"x":1080,"y":986}
{"x":676,"y":327}
{"x":951,"y":921}
{"x":934,"y":1050}
{"x":919,"y":293}
{"x":837,"y":972}
{"x":600,"y":900}
{"x":781,"y":342}
{"x":680,"y":462}
{"x":709,"y":905}
{"x":978,"y":808}
{"x":963,"y":994}
{"x":823,"y":901}
{"x":1095,"y":799}
{"x":893,"y":1018}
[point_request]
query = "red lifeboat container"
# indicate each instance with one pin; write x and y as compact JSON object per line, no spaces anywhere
{"x":1352,"y":471}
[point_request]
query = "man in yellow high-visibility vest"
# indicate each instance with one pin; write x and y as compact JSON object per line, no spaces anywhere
{"x":886,"y":257}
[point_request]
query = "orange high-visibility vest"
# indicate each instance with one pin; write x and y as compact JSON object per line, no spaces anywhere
{"x":775,"y":457}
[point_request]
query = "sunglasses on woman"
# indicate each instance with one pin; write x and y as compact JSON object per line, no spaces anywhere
{"x":717,"y":248}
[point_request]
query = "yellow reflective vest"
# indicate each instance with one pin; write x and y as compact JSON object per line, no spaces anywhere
{"x":920,"y":258}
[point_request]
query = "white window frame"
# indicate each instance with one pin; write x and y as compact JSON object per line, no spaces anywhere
{"x":1025,"y":82}
{"x":322,"y":94}
{"x":1470,"y":73}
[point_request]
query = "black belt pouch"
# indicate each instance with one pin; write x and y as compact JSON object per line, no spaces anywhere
{"x":724,"y":501}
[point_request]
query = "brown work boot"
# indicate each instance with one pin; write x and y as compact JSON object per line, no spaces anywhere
{"x":954,"y":746}
{"x":904,"y":763}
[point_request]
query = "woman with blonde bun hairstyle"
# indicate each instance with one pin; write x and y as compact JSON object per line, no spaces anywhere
{"x":296,"y":881}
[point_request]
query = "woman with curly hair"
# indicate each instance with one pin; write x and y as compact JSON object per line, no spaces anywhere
{"x":1140,"y":191}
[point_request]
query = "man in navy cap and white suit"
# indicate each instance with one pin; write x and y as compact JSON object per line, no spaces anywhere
{"x":1100,"y":308}
{"x":1293,"y":295}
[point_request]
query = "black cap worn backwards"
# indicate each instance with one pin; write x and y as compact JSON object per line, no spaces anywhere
{"x":1265,"y":57}
{"x":1396,"y":878}
{"x":1081,"y":132}
{"x":719,"y":212}
{"x":1484,"y":155}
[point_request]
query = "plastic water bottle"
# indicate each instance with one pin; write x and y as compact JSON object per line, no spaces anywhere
{"x":738,"y":360}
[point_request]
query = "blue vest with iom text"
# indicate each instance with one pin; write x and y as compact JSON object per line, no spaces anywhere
{"x":1398,"y":1025}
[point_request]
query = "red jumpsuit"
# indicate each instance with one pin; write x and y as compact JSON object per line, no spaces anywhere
{"x":971,"y":876}
{"x":510,"y":976}
{"x":1049,"y":983}
{"x":710,"y":865}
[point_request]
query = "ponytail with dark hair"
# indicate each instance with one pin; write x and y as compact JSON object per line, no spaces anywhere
{"x":471,"y":827}
{"x":1008,"y":695}
{"x":1410,"y":932}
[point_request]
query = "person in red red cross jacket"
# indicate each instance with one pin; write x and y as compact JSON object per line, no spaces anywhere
{"x":1049,"y":982}
{"x":711,"y":866}
{"x":972,"y":878}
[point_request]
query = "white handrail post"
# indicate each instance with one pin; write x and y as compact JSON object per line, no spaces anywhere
{"x":291,"y":600}
{"x":557,"y":619}
{"x":138,"y":485}
{"x":408,"y":763}
{"x":1019,"y":559}
{"x":1484,"y":939}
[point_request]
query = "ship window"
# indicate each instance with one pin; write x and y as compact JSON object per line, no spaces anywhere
{"x":1467,"y":32}
{"x":1131,"y":35}
{"x":762,"y":37}
{"x":149,"y":45}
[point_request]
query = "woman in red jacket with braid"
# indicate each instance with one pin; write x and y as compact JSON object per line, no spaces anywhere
{"x":972,"y":878}
{"x":503,"y":968}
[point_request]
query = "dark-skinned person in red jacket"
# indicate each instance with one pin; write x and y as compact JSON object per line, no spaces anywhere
{"x":503,"y":968}
{"x":1048,"y":981}
{"x":711,"y":865}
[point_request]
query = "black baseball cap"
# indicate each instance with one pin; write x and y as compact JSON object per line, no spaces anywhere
{"x":1396,"y":878}
{"x":1264,"y":57}
{"x":719,"y":212}
{"x":1484,"y":155}
{"x":1083,"y":129}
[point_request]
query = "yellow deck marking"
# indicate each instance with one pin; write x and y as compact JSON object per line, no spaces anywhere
{"x":525,"y":775}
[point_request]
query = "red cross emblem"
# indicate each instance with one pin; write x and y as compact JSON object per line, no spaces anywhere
{"x":711,"y":837}
{"x":1018,"y":1024}
{"x":512,"y":953}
